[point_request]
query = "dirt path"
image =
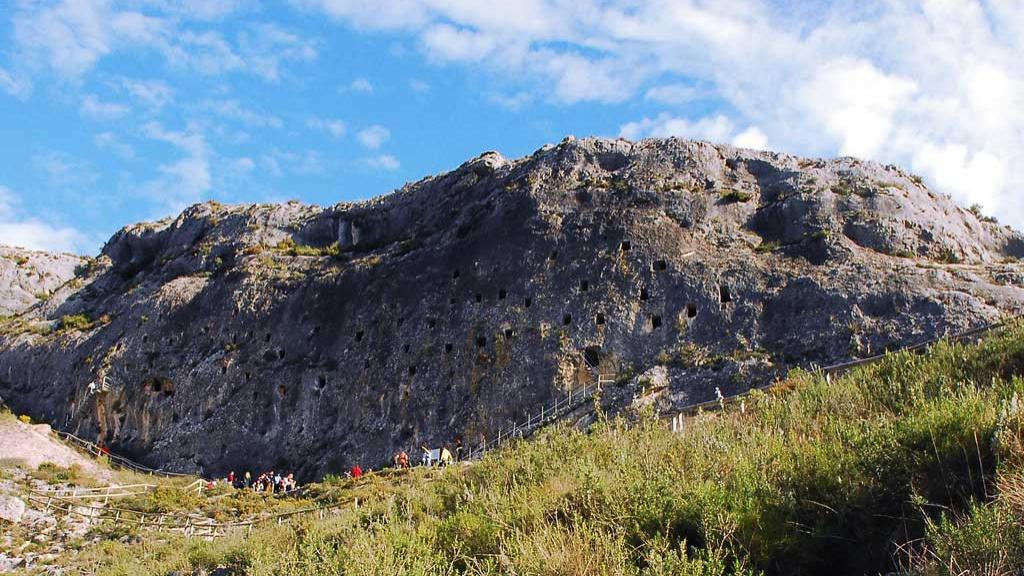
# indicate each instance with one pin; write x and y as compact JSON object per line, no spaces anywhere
{"x":34,"y":444}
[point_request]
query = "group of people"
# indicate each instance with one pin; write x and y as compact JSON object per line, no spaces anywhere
{"x":268,"y":482}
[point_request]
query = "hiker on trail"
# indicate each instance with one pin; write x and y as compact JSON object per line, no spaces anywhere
{"x":231,"y":478}
{"x":247,"y":480}
{"x":446,"y":457}
{"x":357,"y":472}
{"x":458,"y":449}
{"x":402,"y":460}
{"x":104,"y":451}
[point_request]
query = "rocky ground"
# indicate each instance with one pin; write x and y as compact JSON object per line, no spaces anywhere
{"x":34,"y":538}
{"x":312,"y":338}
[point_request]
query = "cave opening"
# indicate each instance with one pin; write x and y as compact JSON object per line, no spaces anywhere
{"x":599,"y":319}
{"x":644,"y":294}
{"x":267,"y":337}
{"x":527,"y":302}
{"x":455,"y":274}
{"x":655,"y":322}
{"x":509,"y":333}
{"x":502,"y":294}
{"x":584,"y":286}
{"x":691,"y":310}
{"x":660,"y":265}
{"x":359,"y":336}
{"x":481,"y":341}
{"x":405,"y":348}
{"x":448,"y":348}
{"x":479,"y":297}
{"x":282,"y":390}
{"x":280,"y":354}
{"x":567,"y":319}
{"x":321,"y":381}
{"x":412,"y":370}
{"x":724,"y":295}
{"x":625,"y":246}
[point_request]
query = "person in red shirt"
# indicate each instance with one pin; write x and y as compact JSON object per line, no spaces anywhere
{"x":357,"y":471}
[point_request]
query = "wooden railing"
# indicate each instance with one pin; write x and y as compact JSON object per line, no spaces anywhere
{"x":115,"y":461}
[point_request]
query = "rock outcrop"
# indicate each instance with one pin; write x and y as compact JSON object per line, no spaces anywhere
{"x":311,"y":338}
{"x":28,"y":277}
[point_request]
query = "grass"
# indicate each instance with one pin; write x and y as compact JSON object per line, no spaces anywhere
{"x":736,"y":196}
{"x":915,"y":464}
{"x":74,"y":322}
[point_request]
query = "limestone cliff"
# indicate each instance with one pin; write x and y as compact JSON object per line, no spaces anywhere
{"x":313,"y":337}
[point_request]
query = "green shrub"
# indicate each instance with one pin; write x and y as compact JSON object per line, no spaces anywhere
{"x":75,"y":322}
{"x":734,"y":196}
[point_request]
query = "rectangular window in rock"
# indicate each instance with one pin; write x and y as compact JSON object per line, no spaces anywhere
{"x":599,"y":320}
{"x":655,"y":322}
{"x":567,"y":319}
{"x":660,"y":266}
{"x":691,"y":310}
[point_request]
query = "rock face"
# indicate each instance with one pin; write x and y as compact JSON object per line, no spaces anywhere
{"x":28,"y":277}
{"x":309,"y":338}
{"x":11,"y":509}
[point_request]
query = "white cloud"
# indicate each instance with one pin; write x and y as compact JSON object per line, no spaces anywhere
{"x":752,"y":137}
{"x":71,"y":36}
{"x":234,"y":110}
{"x":374,"y":136}
{"x":334,"y":127}
{"x":417,"y":85}
{"x":937,"y":85}
{"x":185,"y":181}
{"x":153,"y":93}
{"x":109,"y":141}
{"x":360,"y":85}
{"x":713,"y":128}
{"x":384,"y":162}
{"x":95,"y":108}
{"x":673,"y":94}
{"x":32,"y":233}
{"x":14,"y":85}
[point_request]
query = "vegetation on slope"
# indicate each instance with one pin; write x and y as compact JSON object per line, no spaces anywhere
{"x":915,"y":464}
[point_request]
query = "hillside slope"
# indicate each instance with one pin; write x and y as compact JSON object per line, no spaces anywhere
{"x":316,"y":337}
{"x":912,"y":466}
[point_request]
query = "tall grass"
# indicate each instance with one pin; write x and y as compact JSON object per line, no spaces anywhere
{"x":914,"y":465}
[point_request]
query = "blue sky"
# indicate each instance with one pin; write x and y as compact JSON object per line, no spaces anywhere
{"x":115,"y":111}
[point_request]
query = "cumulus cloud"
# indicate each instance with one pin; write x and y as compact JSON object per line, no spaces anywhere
{"x":334,"y":127}
{"x":385,"y":162}
{"x":934,"y":85}
{"x":27,"y":232}
{"x":374,"y":137}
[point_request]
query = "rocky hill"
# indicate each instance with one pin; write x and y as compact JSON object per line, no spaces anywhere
{"x":311,"y":337}
{"x":28,"y":277}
